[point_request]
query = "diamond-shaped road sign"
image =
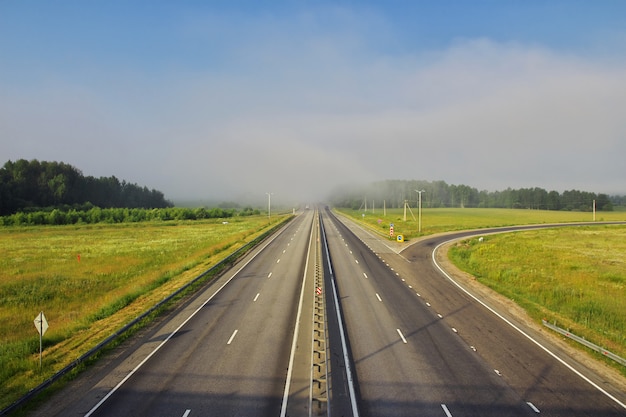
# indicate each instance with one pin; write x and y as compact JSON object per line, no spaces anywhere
{"x":41,"y":323}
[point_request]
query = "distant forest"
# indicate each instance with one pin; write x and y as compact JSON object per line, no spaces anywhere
{"x":33,"y":185}
{"x":393,"y":193}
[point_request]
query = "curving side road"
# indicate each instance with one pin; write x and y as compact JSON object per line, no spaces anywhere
{"x":524,"y":368}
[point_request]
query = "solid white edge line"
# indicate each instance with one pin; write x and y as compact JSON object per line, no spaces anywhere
{"x":294,"y":343}
{"x":445,"y":410}
{"x":136,"y":368}
{"x":545,"y":349}
{"x":344,"y":346}
{"x":232,"y":337}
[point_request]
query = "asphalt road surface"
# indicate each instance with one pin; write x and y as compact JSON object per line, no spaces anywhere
{"x":422,"y":346}
{"x":227,"y":352}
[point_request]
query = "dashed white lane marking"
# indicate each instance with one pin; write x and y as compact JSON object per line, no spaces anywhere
{"x":401,"y":336}
{"x":364,"y":274}
{"x":532,"y":407}
{"x":257,"y":297}
{"x":278,"y":261}
{"x":445,"y":410}
{"x":232,"y":337}
{"x":378,"y":296}
{"x":269,"y":275}
{"x":186,"y":413}
{"x":356,"y":260}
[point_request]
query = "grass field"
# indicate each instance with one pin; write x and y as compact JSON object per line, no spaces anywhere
{"x":442,"y":220}
{"x":574,"y":276}
{"x":89,"y":280}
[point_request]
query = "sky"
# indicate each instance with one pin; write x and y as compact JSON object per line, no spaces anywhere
{"x":209,"y":100}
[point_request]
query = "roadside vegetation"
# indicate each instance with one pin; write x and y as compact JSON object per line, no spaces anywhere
{"x":89,"y":214}
{"x":443,"y":220}
{"x":91,"y":279}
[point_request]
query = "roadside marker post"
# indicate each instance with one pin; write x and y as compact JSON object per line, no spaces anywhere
{"x":42,"y":325}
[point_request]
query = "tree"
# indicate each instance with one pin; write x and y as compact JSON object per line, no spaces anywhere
{"x":33,"y":184}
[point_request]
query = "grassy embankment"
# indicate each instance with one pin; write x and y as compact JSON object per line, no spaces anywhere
{"x":574,"y":276}
{"x":442,"y":220}
{"x":89,"y":280}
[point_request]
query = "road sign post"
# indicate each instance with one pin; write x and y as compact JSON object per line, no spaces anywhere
{"x":42,"y":325}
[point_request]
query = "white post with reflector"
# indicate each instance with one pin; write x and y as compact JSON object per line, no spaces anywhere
{"x":42,"y":325}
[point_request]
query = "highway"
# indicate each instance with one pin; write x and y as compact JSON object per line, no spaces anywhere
{"x":324,"y":318}
{"x":421,"y":346}
{"x":227,"y":351}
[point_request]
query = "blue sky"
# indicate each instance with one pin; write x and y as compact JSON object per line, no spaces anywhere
{"x":226,"y":99}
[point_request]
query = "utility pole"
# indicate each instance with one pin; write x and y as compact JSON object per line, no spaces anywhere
{"x":419,"y":210}
{"x":594,"y":210}
{"x":404,"y":210}
{"x":269,"y":205}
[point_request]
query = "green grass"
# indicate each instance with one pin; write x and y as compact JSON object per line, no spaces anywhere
{"x":442,"y":220}
{"x":573,"y":276}
{"x":123,"y":270}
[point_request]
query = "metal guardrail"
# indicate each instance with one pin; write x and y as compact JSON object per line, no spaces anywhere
{"x":214,"y":270}
{"x":587,"y":343}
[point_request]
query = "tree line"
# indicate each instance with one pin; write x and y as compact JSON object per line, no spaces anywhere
{"x":393,"y":194}
{"x":32,"y":185}
{"x":89,"y":214}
